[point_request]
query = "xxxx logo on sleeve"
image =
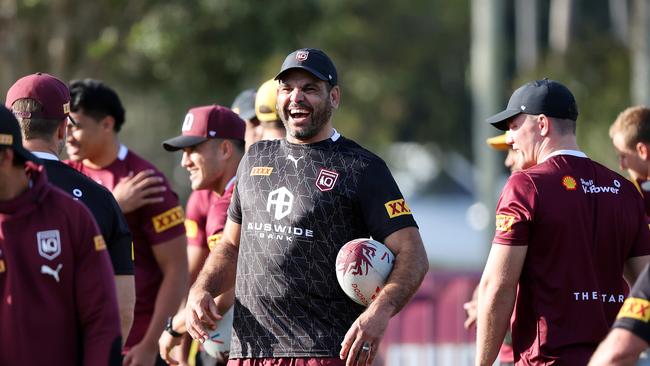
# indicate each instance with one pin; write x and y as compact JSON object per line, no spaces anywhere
{"x":397,"y":208}
{"x":213,"y":240}
{"x":168,"y":219}
{"x":504,"y":222}
{"x":100,"y":244}
{"x":635,"y":308}
{"x":191,"y":228}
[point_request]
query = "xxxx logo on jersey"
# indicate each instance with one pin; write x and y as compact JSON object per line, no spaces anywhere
{"x":635,"y":308}
{"x":397,"y":208}
{"x":168,"y":219}
{"x":504,"y":222}
{"x":100,"y":244}
{"x":213,"y":240}
{"x":191,"y":228}
{"x":2,"y":266}
{"x":261,"y":170}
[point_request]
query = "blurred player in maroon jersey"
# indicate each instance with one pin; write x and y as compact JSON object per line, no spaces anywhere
{"x":212,"y":140}
{"x":45,"y":138}
{"x":567,"y":229}
{"x":58,"y":304}
{"x":156,"y":222}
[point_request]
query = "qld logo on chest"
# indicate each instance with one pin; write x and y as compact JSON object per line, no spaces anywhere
{"x":49,"y":243}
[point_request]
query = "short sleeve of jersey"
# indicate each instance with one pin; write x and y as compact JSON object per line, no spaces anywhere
{"x":234,"y":210}
{"x":515,"y":211}
{"x":196,"y":212}
{"x":384,"y":208}
{"x":165,"y":220}
{"x":635,"y":312}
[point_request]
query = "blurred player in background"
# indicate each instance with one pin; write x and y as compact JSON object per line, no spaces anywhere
{"x":156,"y":223}
{"x":244,"y":106}
{"x":56,"y":283}
{"x":212,"y":141}
{"x":266,"y":111}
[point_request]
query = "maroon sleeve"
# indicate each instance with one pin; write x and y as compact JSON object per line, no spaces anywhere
{"x":196,"y":218}
{"x":163,"y":221}
{"x":95,"y":292}
{"x":642,"y":243}
{"x":515,"y":211}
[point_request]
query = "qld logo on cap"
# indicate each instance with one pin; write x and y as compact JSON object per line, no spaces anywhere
{"x":187,"y":123}
{"x":302,"y":55}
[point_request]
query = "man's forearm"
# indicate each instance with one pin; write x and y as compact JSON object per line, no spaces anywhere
{"x":171,"y":293}
{"x":405,"y":279}
{"x":495,"y":304}
{"x":219,"y":270}
{"x":125,"y":286}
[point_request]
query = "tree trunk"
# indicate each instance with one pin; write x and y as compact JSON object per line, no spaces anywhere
{"x":560,"y":19}
{"x":526,"y":38}
{"x":640,"y":49}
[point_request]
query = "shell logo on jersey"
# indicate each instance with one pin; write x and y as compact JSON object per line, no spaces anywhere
{"x":569,"y":183}
{"x":49,"y":243}
{"x":397,"y":208}
{"x":504,"y":222}
{"x":326,"y":180}
{"x":191,"y":228}
{"x":261,"y":170}
{"x":635,"y":308}
{"x":168,"y":219}
{"x":100,"y":244}
{"x":213,"y":240}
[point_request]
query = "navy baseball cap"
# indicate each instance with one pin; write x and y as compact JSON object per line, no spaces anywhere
{"x":544,"y":96}
{"x":244,"y":104}
{"x":207,"y":122}
{"x":10,"y":135}
{"x":313,"y":60}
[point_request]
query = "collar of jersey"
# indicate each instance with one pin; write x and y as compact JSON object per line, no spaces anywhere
{"x":45,"y":155}
{"x":121,"y":154}
{"x":230,"y":183}
{"x":335,"y":137}
{"x":575,"y":153}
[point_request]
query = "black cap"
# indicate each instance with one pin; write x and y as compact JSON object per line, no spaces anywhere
{"x":244,"y":104}
{"x":313,"y":60}
{"x":10,"y":135}
{"x":544,"y":96}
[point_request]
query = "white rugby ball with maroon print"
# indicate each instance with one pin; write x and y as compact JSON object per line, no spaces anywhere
{"x":362,"y":267}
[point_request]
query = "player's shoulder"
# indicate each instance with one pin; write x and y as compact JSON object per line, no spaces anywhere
{"x":353,"y":149}
{"x":264,"y":146}
{"x":58,"y":171}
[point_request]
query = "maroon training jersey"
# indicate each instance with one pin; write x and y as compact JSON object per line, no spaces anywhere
{"x":644,"y":188}
{"x":57,"y":293}
{"x":206,"y":216}
{"x":581,"y":222}
{"x":150,"y":225}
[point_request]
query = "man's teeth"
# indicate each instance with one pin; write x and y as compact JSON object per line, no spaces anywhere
{"x":299,"y":110}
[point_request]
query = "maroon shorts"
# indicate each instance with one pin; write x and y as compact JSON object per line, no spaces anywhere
{"x":286,"y":361}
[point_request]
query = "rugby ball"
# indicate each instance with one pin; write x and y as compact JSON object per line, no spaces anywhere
{"x":219,"y":339}
{"x":362,"y":267}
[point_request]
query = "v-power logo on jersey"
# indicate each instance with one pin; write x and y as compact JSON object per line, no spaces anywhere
{"x":279,"y":204}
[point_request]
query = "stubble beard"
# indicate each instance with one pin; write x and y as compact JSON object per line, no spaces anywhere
{"x":319,"y":118}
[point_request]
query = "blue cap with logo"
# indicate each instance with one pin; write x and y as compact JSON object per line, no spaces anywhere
{"x":312,"y":60}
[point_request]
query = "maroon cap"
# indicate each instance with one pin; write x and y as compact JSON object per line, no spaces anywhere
{"x":207,"y":122}
{"x":52,"y":93}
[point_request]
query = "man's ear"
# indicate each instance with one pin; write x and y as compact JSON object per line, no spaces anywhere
{"x":544,"y":125}
{"x":335,"y":96}
{"x":107,"y":123}
{"x":226,"y":149}
{"x":642,"y":150}
{"x":62,"y":129}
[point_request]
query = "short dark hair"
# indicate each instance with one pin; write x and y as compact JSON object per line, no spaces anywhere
{"x":97,"y":100}
{"x":34,"y":128}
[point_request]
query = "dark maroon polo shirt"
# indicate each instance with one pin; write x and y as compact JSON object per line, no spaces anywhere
{"x":581,"y":222}
{"x":57,"y":294}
